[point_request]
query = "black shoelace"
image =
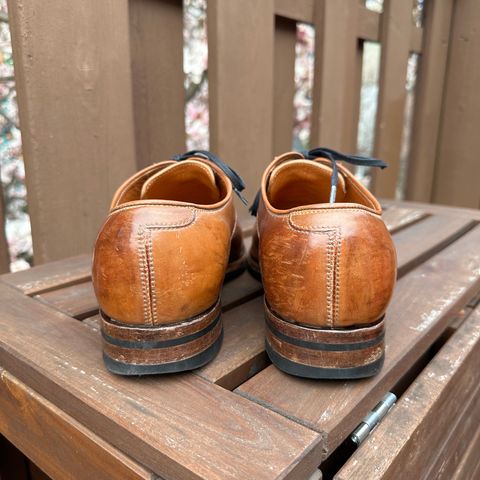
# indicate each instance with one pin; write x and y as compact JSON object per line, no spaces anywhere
{"x":333,"y":156}
{"x":237,"y":181}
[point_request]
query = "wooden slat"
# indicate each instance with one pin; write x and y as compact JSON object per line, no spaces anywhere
{"x":431,"y":235}
{"x":300,"y":10}
{"x":50,"y":434}
{"x":156,"y":31}
{"x":51,"y":276}
{"x":422,"y":304}
{"x":472,"y":213}
{"x":428,"y":100}
{"x":178,"y":426}
{"x":336,"y":75}
{"x":437,"y":413}
{"x":396,"y":218}
{"x":367,"y":27}
{"x":76,"y":116}
{"x":469,"y":467}
{"x":240,"y":72}
{"x":284,"y":84}
{"x":416,"y":39}
{"x":4,"y":253}
{"x":368,"y":24}
{"x":239,"y":291}
{"x":395,"y":34}
{"x":243,"y":350}
{"x":458,"y":169}
{"x":77,"y":301}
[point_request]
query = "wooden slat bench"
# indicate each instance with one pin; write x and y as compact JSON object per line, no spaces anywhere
{"x":240,"y":417}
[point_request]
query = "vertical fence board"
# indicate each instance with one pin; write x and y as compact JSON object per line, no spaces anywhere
{"x":336,"y":81}
{"x":396,"y":27}
{"x":72,"y":68}
{"x":458,"y":168}
{"x":284,"y":84}
{"x":4,"y":253}
{"x":428,"y":99}
{"x":156,"y":29}
{"x":240,"y":39}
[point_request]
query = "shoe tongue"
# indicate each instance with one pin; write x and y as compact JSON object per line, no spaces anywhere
{"x":305,"y":181}
{"x":189,"y":180}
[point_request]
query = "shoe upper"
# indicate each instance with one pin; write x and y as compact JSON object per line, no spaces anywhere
{"x":162,"y":253}
{"x":322,"y":264}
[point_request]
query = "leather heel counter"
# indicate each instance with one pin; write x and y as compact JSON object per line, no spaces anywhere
{"x":159,"y":264}
{"x":328,"y":267}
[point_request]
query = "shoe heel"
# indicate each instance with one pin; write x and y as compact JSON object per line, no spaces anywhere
{"x":324,"y":353}
{"x":146,"y":350}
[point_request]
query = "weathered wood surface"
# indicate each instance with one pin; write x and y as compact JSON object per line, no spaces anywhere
{"x":284,"y":84}
{"x":396,"y":27}
{"x":423,"y":301}
{"x":428,"y":100}
{"x":457,"y":182}
{"x":158,"y":79}
{"x":82,"y":148}
{"x":51,"y":433}
{"x":240,"y":82}
{"x":429,"y":430}
{"x":154,"y":421}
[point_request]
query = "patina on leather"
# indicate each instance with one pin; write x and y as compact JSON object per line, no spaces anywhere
{"x":326,"y":265}
{"x":163,"y":251}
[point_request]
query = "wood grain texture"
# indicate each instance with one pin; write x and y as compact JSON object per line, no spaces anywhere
{"x":456,"y":182}
{"x":156,"y":43}
{"x":77,"y":154}
{"x":300,"y":11}
{"x":396,"y":28}
{"x":469,"y":466}
{"x":243,"y":351}
{"x":240,"y":74}
{"x":427,"y":237}
{"x":51,"y":276}
{"x":428,"y":100}
{"x":422,"y":304}
{"x":335,"y":76}
{"x":284,"y":84}
{"x":434,"y":416}
{"x":471,"y":213}
{"x":51,"y":435}
{"x":77,"y":300}
{"x":396,"y":218}
{"x":178,"y":426}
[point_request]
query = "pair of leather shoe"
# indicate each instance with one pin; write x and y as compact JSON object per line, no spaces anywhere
{"x":321,"y":249}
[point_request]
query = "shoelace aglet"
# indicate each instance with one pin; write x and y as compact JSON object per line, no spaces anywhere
{"x":333,"y":193}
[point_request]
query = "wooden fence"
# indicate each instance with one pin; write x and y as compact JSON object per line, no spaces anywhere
{"x":100,"y":93}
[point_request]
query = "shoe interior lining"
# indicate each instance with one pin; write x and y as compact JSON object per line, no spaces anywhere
{"x":299,"y":183}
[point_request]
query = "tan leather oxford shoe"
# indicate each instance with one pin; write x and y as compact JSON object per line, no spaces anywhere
{"x":327,"y":263}
{"x":160,"y":259}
